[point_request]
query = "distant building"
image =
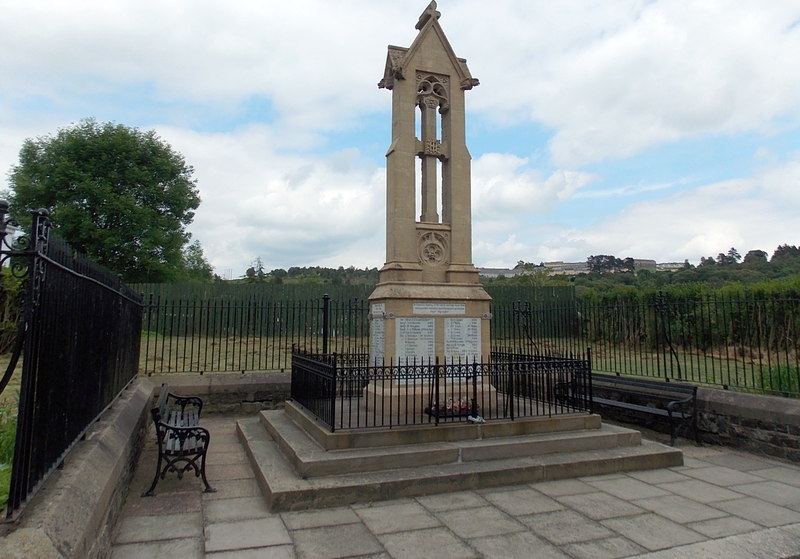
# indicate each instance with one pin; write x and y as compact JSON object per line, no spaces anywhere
{"x":498,"y":272}
{"x":670,"y":266}
{"x":643,"y":264}
{"x":576,"y":268}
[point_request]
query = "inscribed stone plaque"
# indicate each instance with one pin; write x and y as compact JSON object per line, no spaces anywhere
{"x":440,"y":308}
{"x":378,"y":308}
{"x":414,"y":339}
{"x":462,"y":339}
{"x":377,"y":341}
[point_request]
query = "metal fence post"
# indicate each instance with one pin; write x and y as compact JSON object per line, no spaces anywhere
{"x":326,"y":309}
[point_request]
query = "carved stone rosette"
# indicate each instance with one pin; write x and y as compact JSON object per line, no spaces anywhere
{"x":434,"y":249}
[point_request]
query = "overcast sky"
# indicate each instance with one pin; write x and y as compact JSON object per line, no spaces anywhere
{"x":660,"y":129}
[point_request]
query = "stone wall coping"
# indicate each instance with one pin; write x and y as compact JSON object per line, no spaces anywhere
{"x":769,"y":409}
{"x":192,"y":384}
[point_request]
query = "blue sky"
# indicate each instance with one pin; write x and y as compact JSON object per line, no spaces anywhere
{"x":660,"y":129}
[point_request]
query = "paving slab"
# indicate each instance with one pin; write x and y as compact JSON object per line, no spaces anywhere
{"x":771,"y":491}
{"x":599,"y":505}
{"x":334,"y":542}
{"x":628,"y":488}
{"x":149,"y":528}
{"x":658,"y":476}
{"x":741,"y":462}
{"x":186,"y":548}
{"x":231,"y":488}
{"x":764,"y":544}
{"x":653,"y":532}
{"x":244,"y":534}
{"x":163,"y":503}
{"x":565,"y":526}
{"x":228,"y":472}
{"x":679,"y":509}
{"x":452,"y":501}
{"x":240,"y":508}
{"x":723,"y":526}
{"x":784,"y":474}
{"x":721,"y":475}
{"x":607,"y":548}
{"x":521,"y":545}
{"x":484,"y":521}
{"x":759,"y":511}
{"x":562,"y":487}
{"x":389,"y":517}
{"x":700,"y":491}
{"x":272,"y":552}
{"x":298,"y":520}
{"x":521,"y":501}
{"x":691,"y":463}
{"x":420,"y":544}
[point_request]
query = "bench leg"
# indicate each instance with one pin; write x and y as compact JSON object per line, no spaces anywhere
{"x":150,"y":492}
{"x":202,"y":473}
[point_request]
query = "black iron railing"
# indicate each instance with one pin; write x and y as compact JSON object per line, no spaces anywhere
{"x":79,"y":339}
{"x":253,"y":334}
{"x":732,"y":341}
{"x":346,"y":392}
{"x":739,"y":342}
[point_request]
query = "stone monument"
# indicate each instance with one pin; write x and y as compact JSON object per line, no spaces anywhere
{"x":428,"y":306}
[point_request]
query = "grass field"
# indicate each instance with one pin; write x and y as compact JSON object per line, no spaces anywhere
{"x":196,"y":354}
{"x":8,"y":426}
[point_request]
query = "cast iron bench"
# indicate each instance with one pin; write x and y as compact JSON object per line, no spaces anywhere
{"x":182,"y":443}
{"x":673,"y":401}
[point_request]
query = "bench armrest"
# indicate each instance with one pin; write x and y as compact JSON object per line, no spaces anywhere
{"x":184,"y":401}
{"x":679,"y":406}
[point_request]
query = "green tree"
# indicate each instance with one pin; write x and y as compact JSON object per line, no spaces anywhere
{"x":120,"y":195}
{"x":196,"y":267}
{"x":732,"y":257}
{"x":785,"y":253}
{"x":603,"y":263}
{"x":755,"y":258}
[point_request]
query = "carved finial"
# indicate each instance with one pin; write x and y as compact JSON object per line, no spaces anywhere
{"x":430,"y":12}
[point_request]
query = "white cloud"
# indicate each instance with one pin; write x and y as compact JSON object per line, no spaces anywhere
{"x":622,"y":77}
{"x":502,"y":184}
{"x":747,"y":214}
{"x":610,"y":79}
{"x":288,"y":209}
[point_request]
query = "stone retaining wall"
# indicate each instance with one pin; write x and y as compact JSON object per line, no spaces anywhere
{"x":231,"y":394}
{"x":759,"y":424}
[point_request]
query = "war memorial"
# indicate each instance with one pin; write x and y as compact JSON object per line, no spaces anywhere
{"x":432,"y":409}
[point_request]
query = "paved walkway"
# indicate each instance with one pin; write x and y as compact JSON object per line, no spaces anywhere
{"x":721,"y":504}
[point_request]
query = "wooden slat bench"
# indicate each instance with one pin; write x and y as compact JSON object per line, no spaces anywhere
{"x":182,"y":443}
{"x":673,"y":401}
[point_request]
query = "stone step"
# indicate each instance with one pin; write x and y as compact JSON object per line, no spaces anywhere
{"x":310,"y":460}
{"x":429,"y":432}
{"x":285,"y":490}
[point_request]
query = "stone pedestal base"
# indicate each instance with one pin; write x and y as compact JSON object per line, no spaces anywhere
{"x":455,"y":397}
